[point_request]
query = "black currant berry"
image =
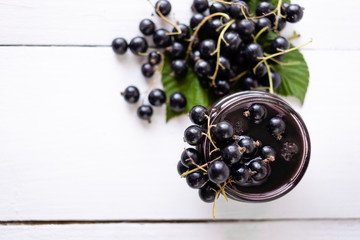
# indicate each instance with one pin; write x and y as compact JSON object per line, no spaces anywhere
{"x":264,"y":8}
{"x":198,"y":114}
{"x":281,"y":22}
{"x":202,"y":69}
{"x":260,"y":71}
{"x":161,"y":39}
{"x":256,"y":112}
{"x":268,"y":152}
{"x":147,"y":70}
{"x":241,"y":175}
{"x":222,"y":88}
{"x":262,"y":170}
{"x":231,"y":153}
{"x":284,"y":6}
{"x":181,"y":168}
{"x":138,"y":45}
{"x":194,"y":57}
{"x":147,"y":27}
{"x":190,"y":156}
{"x":294,"y":13}
{"x":177,"y":102}
{"x":248,"y":83}
{"x":131,"y":94}
{"x":193,"y":135}
{"x":218,"y":172}
{"x":212,"y":26}
{"x":277,"y":45}
{"x":196,"y":179}
{"x":176,"y":50}
{"x":184,"y":35}
{"x":206,"y":48}
{"x":277,"y":126}
{"x":263,"y":22}
{"x":200,"y":5}
{"x":179,"y":68}
{"x":276,"y":80}
{"x":119,"y":46}
{"x":225,"y":67}
{"x":196,"y":19}
{"x":154,"y":58}
{"x":233,"y":40}
{"x":217,"y":7}
{"x":164,"y":7}
{"x":254,"y":52}
{"x":157,"y":97}
{"x":208,"y":192}
{"x":222,"y":132}
{"x":249,"y":145}
{"x":237,"y":8}
{"x":246,"y":27}
{"x":145,"y":112}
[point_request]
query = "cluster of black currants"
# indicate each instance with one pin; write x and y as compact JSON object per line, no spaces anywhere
{"x":162,"y":39}
{"x":225,"y":53}
{"x":230,"y":158}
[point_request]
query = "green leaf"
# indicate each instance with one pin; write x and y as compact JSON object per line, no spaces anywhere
{"x":189,"y":86}
{"x":295,"y":78}
{"x":253,"y":3}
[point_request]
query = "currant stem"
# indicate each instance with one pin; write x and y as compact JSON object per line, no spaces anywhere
{"x":283,"y":63}
{"x":192,"y":161}
{"x":294,"y":36}
{"x":214,"y":206}
{"x":278,"y":15}
{"x":221,"y":37}
{"x":259,"y":33}
{"x":197,"y":29}
{"x":271,"y":89}
{"x":239,"y":76}
{"x":169,"y":22}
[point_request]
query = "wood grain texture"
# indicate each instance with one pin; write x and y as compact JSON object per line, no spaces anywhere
{"x":313,"y":230}
{"x":99,"y":22}
{"x":71,"y":148}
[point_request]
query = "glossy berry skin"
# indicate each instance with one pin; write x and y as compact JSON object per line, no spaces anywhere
{"x":160,"y":38}
{"x":294,"y":13}
{"x":263,"y":8}
{"x":198,"y":115}
{"x":179,"y":68}
{"x":196,"y":179}
{"x":248,"y":83}
{"x":147,"y":70}
{"x":279,"y":43}
{"x":234,"y":41}
{"x":212,"y":25}
{"x":138,"y":45}
{"x":207,"y":193}
{"x":194,"y":57}
{"x":145,"y":112}
{"x":222,"y":88}
{"x":281,"y":22}
{"x":177,"y":102}
{"x":218,"y":172}
{"x":250,"y":146}
{"x":147,"y":27}
{"x":253,"y":52}
{"x":193,"y":135}
{"x":184,"y":35}
{"x":246,"y":27}
{"x":181,"y":168}
{"x":241,"y":175}
{"x":277,"y":126}
{"x":176,"y":50}
{"x":202,"y":69}
{"x":119,"y":46}
{"x":261,"y":23}
{"x":260,"y":71}
{"x":262,"y":170}
{"x":223,"y":132}
{"x":235,"y":10}
{"x":190,"y":156}
{"x":201,"y":5}
{"x":257,"y":113}
{"x":206,"y":48}
{"x":131,"y":94}
{"x":196,"y":20}
{"x":157,"y":97}
{"x":284,"y":6}
{"x":268,"y":152}
{"x":224,"y":67}
{"x":154,"y":58}
{"x":231,"y":153}
{"x":217,"y":7}
{"x":276,"y":80}
{"x":164,"y":7}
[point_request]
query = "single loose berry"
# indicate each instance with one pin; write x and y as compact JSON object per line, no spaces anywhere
{"x":268,"y":152}
{"x":138,"y":45}
{"x":218,"y":172}
{"x":131,"y":94}
{"x":201,"y":5}
{"x":196,"y":179}
{"x":277,"y":126}
{"x":147,"y":27}
{"x":164,"y":7}
{"x":257,"y":113}
{"x":154,"y":58}
{"x":193,"y":135}
{"x":189,"y":157}
{"x":157,"y":97}
{"x":223,"y":131}
{"x":145,"y":112}
{"x":179,"y":68}
{"x":198,"y":115}
{"x":249,"y":145}
{"x":177,"y":102}
{"x":119,"y":45}
{"x":147,"y":70}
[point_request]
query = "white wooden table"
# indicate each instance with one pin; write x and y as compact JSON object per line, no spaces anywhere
{"x":76,"y":163}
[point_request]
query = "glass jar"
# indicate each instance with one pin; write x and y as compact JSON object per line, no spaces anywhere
{"x":285,"y":173}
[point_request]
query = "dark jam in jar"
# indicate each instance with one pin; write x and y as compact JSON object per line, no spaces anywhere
{"x":292,"y":150}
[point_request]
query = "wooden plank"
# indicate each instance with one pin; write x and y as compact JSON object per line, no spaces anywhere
{"x":280,"y":230}
{"x":71,"y":148}
{"x":99,"y":22}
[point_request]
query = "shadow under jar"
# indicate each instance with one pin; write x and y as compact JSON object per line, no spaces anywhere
{"x":285,"y":172}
